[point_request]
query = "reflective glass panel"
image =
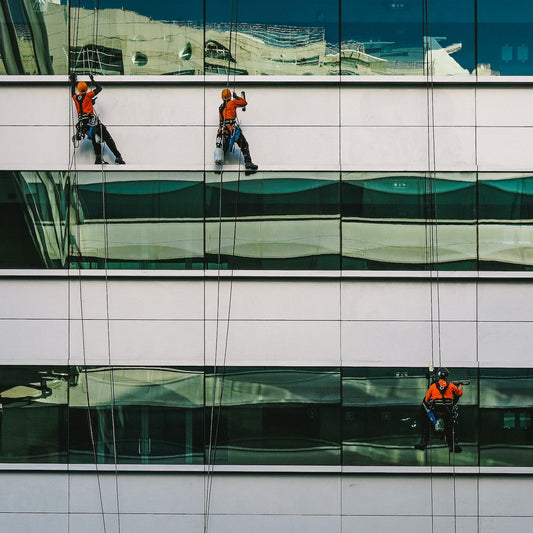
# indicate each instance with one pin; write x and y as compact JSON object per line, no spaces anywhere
{"x":273,"y":221}
{"x":383,"y":418}
{"x":504,"y":37}
{"x":33,"y":414}
{"x":505,"y":209}
{"x":139,"y":415}
{"x":137,"y":38}
{"x":412,"y":222}
{"x":288,"y":37}
{"x":137,"y":220}
{"x":506,"y":411}
{"x":33,"y":37}
{"x":273,"y":416}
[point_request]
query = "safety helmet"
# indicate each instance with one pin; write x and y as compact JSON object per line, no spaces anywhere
{"x":82,"y":87}
{"x":226,"y":94}
{"x":443,"y":373}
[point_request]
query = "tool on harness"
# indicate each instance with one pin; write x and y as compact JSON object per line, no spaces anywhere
{"x":235,"y":134}
{"x":86,"y":127}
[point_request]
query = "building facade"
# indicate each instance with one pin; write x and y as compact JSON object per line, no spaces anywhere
{"x":187,"y":347}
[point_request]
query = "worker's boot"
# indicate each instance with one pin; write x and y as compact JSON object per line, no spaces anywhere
{"x":455,"y":449}
{"x":100,"y":160}
{"x":119,"y":160}
{"x":422,"y":445}
{"x":250,"y":167}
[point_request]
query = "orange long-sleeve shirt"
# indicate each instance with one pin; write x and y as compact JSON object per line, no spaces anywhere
{"x":229,"y":111}
{"x":451,"y":392}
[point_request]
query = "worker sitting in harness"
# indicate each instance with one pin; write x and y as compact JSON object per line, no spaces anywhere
{"x":89,"y":124}
{"x":229,"y":132}
{"x":439,"y":408}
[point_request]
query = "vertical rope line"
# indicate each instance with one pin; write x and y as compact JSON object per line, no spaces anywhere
{"x":426,"y":48}
{"x":476,"y":160}
{"x":339,"y":110}
{"x":213,"y":432}
{"x":108,"y":335}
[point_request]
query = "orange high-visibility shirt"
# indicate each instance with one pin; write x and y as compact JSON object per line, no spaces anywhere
{"x":84,"y":103}
{"x":229,"y":111}
{"x":451,"y":392}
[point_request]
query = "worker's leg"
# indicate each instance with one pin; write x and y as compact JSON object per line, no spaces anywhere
{"x":451,"y":437}
{"x":245,"y":149}
{"x":106,"y":137}
{"x":426,"y":428}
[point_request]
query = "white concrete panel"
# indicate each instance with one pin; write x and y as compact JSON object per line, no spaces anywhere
{"x":457,"y":342}
{"x":32,"y":298}
{"x":516,"y":524}
{"x":281,"y":106}
{"x":137,"y":342}
{"x":95,"y":523}
{"x":504,"y":106}
{"x":26,"y":342}
{"x":275,"y":495}
{"x":369,"y":496}
{"x":505,"y":496}
{"x":505,"y":301}
{"x":398,"y":148}
{"x":270,"y":523}
{"x":379,"y":524}
{"x":43,"y":522}
{"x":385,"y":300}
{"x":386,"y":343}
{"x":34,"y":147}
{"x":505,"y":344}
{"x":275,"y":300}
{"x":274,"y":343}
{"x":137,"y":299}
{"x":19,"y":106}
{"x":166,"y":523}
{"x":409,"y":106}
{"x":151,"y":147}
{"x":504,"y":148}
{"x":31,"y":493}
{"x":154,"y":106}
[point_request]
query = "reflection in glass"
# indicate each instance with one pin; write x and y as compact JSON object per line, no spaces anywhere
{"x":143,"y":38}
{"x":138,"y":220}
{"x":279,"y":37}
{"x":506,"y":432}
{"x":273,"y":416}
{"x":409,"y":221}
{"x":504,"y":37}
{"x":382,"y":417}
{"x":283,"y":221}
{"x":33,"y":414}
{"x":138,"y":415}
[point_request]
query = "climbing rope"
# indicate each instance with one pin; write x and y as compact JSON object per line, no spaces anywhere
{"x":218,"y":389}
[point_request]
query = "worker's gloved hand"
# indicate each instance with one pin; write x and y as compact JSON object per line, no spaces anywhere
{"x":91,"y":77}
{"x":235,"y":94}
{"x":73,"y":77}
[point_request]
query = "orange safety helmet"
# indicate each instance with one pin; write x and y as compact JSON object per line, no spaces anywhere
{"x":82,"y":87}
{"x":226,"y":94}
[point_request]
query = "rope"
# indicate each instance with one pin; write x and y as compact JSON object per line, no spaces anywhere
{"x":214,"y":422}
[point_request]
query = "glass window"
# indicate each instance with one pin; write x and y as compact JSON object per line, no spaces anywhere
{"x":148,"y":220}
{"x":137,"y":38}
{"x":275,"y":38}
{"x":141,"y":415}
{"x":273,"y":416}
{"x":383,"y":417}
{"x":33,"y":414}
{"x":279,"y":221}
{"x":409,"y":221}
{"x":504,"y":37}
{"x":506,"y":412}
{"x":35,"y":37}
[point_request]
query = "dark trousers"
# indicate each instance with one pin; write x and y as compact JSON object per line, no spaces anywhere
{"x":241,"y":142}
{"x":446,"y":415}
{"x":101,"y":131}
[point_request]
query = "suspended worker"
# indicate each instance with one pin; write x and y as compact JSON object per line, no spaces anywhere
{"x":439,"y":407}
{"x":88,"y":122}
{"x":229,"y":132}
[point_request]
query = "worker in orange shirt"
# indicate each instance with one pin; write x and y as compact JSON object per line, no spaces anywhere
{"x":439,"y":405}
{"x":88,"y":122}
{"x":229,"y":132}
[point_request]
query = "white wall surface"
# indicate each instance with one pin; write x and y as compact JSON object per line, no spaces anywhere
{"x":389,"y":126}
{"x":273,"y":321}
{"x":240,"y":503}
